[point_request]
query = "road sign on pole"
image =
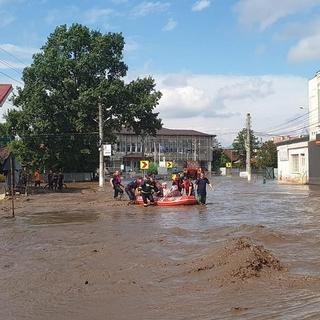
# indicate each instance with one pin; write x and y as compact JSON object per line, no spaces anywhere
{"x":107,"y":150}
{"x":169,"y":164}
{"x":144,"y":164}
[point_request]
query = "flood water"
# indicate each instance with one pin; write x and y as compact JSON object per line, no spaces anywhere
{"x":89,"y":260}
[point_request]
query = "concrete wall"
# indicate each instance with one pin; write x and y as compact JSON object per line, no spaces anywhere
{"x":314,"y":106}
{"x":286,"y":172}
{"x":314,"y":163}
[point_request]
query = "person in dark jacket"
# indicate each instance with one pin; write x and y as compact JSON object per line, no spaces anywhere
{"x":202,"y":183}
{"x":55,"y":180}
{"x":131,"y":188}
{"x":60,"y":180}
{"x":50,"y":179}
{"x":147,"y":188}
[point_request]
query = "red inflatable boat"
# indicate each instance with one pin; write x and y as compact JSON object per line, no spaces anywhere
{"x":172,"y":201}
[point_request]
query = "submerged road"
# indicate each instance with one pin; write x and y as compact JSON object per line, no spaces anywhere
{"x":251,"y":253}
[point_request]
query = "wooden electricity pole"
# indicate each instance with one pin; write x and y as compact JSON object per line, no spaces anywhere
{"x":248,"y":147}
{"x":12,"y":180}
{"x":101,"y":158}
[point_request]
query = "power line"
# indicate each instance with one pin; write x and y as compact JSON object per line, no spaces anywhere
{"x":10,"y":66}
{"x":275,"y":128}
{"x":12,"y":78}
{"x":12,"y":55}
{"x":290,"y":131}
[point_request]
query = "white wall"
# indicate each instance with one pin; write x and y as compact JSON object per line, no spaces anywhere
{"x":314,"y":110}
{"x":286,"y":169}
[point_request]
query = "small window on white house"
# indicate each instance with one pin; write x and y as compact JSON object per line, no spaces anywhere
{"x":294,"y":163}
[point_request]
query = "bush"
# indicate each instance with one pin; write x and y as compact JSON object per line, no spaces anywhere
{"x":153,"y":168}
{"x":2,"y":178}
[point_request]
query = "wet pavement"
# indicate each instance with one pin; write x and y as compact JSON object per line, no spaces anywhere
{"x":84,"y":256}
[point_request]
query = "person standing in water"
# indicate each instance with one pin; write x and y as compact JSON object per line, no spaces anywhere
{"x":201,"y":184}
{"x":115,"y":182}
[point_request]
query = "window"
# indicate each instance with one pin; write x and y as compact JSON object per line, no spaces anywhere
{"x":302,"y":162}
{"x":294,"y":163}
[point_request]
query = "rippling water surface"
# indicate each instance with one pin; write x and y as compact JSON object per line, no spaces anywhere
{"x":127,"y":262}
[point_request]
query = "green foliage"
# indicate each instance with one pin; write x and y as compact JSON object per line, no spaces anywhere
{"x":5,"y":136}
{"x":76,"y":70}
{"x":223,"y":160}
{"x":267,"y":155}
{"x":153,"y":168}
{"x":239,"y":145}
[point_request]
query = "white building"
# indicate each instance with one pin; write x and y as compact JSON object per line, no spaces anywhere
{"x":293,"y":160}
{"x":314,"y":110}
{"x":299,"y":159}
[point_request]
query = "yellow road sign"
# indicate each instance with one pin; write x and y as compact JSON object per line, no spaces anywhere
{"x":169,"y":164}
{"x":144,"y":164}
{"x":229,"y":165}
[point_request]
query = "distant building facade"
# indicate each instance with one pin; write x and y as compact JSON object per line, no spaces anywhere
{"x":168,"y":144}
{"x":299,"y":158}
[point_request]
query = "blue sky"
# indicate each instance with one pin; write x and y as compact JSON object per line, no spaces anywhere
{"x":213,"y":60}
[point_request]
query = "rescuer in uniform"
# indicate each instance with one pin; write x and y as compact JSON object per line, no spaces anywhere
{"x":147,"y":188}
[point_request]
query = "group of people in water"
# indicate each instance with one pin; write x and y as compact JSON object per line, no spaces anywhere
{"x":148,"y":187}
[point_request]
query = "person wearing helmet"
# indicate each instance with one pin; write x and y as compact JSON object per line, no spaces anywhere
{"x":131,"y":188}
{"x":146,"y":189}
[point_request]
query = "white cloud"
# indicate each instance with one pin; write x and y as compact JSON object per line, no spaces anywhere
{"x":307,"y":49}
{"x":6,"y":64}
{"x":94,"y":15}
{"x":131,"y":45}
{"x":171,"y":24}
{"x":266,"y":13}
{"x":20,"y":52}
{"x":201,"y":5}
{"x":218,"y":103}
{"x":64,"y":15}
{"x":150,"y":7}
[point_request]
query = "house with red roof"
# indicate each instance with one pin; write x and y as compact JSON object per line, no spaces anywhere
{"x":5,"y":90}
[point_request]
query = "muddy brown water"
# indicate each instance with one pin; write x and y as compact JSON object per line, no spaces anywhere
{"x":252,"y":253}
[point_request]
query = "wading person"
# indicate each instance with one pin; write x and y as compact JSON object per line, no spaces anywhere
{"x":188,"y":186}
{"x":60,"y":180}
{"x":50,"y":179}
{"x":37,"y":178}
{"x":146,"y":189}
{"x":202,"y":183}
{"x":131,"y":188}
{"x":116,"y":185}
{"x":55,"y":181}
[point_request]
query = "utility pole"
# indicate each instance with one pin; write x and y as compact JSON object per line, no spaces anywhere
{"x":248,"y":149}
{"x":101,"y":158}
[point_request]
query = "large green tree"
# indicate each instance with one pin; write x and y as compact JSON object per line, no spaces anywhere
{"x":239,"y":145}
{"x":57,"y":116}
{"x":267,"y":155}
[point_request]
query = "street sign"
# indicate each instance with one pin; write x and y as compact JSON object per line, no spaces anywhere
{"x":229,"y":165}
{"x":107,"y":150}
{"x":169,"y":164}
{"x":144,"y":164}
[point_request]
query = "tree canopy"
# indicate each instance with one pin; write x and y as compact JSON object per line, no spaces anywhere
{"x":57,"y":109}
{"x":267,"y":155}
{"x":239,"y":145}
